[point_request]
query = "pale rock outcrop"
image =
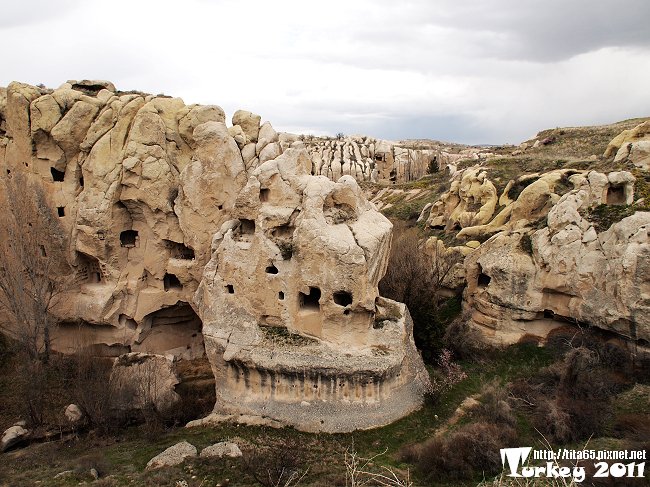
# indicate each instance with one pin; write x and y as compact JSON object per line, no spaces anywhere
{"x":12,"y":436}
{"x":470,"y":201}
{"x":632,"y":145}
{"x":529,"y":284}
{"x":220,"y":450}
{"x":73,"y":413}
{"x":152,"y":198}
{"x":174,"y":455}
{"x":140,"y":184}
{"x":249,"y":123}
{"x":376,"y":160}
{"x":291,"y":310}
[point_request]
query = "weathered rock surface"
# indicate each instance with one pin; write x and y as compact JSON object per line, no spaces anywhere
{"x":179,"y":232}
{"x":523,"y":283}
{"x":220,"y":450}
{"x":12,"y":436}
{"x":376,"y":160}
{"x":174,"y":455}
{"x":632,"y":145}
{"x":291,"y":310}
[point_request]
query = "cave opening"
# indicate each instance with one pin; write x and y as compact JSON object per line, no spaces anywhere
{"x":128,"y":238}
{"x":172,"y":283}
{"x":247,"y":227}
{"x":57,"y":176}
{"x":179,"y":250}
{"x":616,"y":195}
{"x":343,"y":298}
{"x":483,"y":279}
{"x":310,"y":301}
{"x":271,"y":269}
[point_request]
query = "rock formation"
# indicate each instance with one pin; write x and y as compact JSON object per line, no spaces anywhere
{"x":293,"y":322}
{"x":154,"y":200}
{"x":560,"y":248}
{"x":376,"y":160}
{"x":632,"y":145}
{"x":529,"y":283}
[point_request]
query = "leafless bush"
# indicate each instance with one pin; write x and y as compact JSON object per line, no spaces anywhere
{"x":361,"y":471}
{"x":89,"y":389}
{"x":447,"y":374}
{"x":463,"y":340}
{"x":416,"y":278}
{"x":32,"y":251}
{"x":276,"y":466}
{"x":495,"y":406}
{"x":471,"y":449}
{"x":570,"y":400}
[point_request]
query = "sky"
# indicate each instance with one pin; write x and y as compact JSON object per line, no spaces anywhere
{"x":468,"y":71}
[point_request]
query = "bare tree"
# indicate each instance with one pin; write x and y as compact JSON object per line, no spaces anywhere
{"x":31,"y":260}
{"x":416,"y":277}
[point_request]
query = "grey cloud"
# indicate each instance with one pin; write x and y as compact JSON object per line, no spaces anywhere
{"x":417,"y":33}
{"x":548,"y":30}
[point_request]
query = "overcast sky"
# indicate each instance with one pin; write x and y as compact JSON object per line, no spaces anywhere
{"x":472,"y":71}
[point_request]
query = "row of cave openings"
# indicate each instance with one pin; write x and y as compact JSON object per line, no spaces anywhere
{"x":310,"y":301}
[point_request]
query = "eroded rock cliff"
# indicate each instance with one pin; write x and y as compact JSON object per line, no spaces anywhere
{"x":180,"y":236}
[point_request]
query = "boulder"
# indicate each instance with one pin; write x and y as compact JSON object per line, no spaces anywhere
{"x":249,"y":123}
{"x":73,"y":413}
{"x":221,"y":449}
{"x":13,"y":436}
{"x":174,"y":455}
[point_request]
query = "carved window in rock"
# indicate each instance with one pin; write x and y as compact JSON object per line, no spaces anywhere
{"x":230,"y":289}
{"x":172,"y":283}
{"x":129,"y":238}
{"x":88,"y":269}
{"x":342,"y":298}
{"x":57,"y":176}
{"x":179,"y":251}
{"x":310,"y":301}
{"x":60,"y":211}
{"x":264,"y":194}
{"x":483,"y":279}
{"x":247,"y":227}
{"x":616,"y":195}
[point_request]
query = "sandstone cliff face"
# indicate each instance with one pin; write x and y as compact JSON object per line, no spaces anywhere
{"x":376,"y":160}
{"x":138,"y":192}
{"x":292,"y":315}
{"x":184,"y":236}
{"x":522,"y":283}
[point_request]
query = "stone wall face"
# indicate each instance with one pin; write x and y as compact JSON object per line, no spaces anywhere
{"x":376,"y":160}
{"x":185,"y":237}
{"x":527,"y":283}
{"x":296,"y":275}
